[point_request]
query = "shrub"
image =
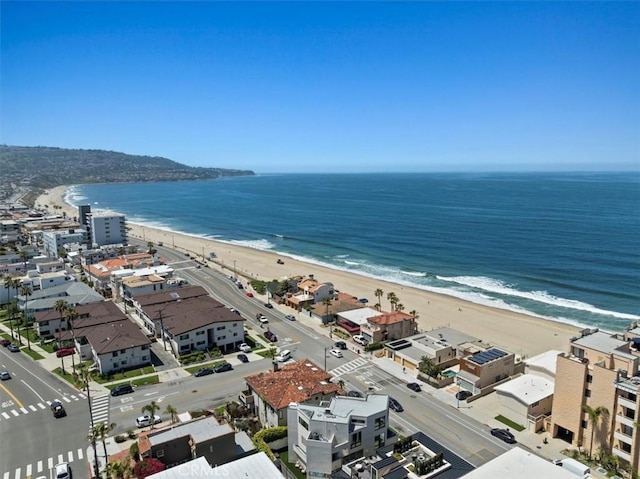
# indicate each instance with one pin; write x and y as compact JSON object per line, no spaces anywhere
{"x":120,"y":438}
{"x":373,"y":346}
{"x":147,"y":467}
{"x":261,"y":438}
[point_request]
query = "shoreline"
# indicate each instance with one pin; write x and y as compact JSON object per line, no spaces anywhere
{"x":520,"y":333}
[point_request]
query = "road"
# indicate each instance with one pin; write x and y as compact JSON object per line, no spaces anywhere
{"x":33,"y":441}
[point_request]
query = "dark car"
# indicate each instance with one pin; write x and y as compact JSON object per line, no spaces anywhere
{"x":203,"y":372}
{"x":268,"y":305}
{"x":122,"y":389}
{"x":504,"y":434}
{"x":271,"y":336}
{"x":60,"y":353}
{"x":463,"y":395}
{"x":414,"y":387}
{"x":14,"y":348}
{"x":58,"y":409}
{"x":395,"y":405}
{"x":4,"y":342}
{"x":340,"y":345}
{"x":243,"y":358}
{"x":355,"y":394}
{"x":223,"y":367}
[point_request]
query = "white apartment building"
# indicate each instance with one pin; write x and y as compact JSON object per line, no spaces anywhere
{"x":107,"y":228}
{"x":323,"y":438}
{"x":70,"y":239}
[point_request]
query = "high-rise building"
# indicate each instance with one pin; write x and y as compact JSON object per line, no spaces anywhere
{"x":107,"y":228}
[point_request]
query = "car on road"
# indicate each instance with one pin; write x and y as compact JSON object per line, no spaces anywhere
{"x":4,"y":375}
{"x":223,"y":367}
{"x":61,"y":353}
{"x":355,"y":394}
{"x":245,"y":348}
{"x":58,"y":409}
{"x":463,"y":395}
{"x":360,"y":339}
{"x":363,"y":300}
{"x":271,"y":336}
{"x":249,"y":294}
{"x":340,"y":345}
{"x":122,"y":389}
{"x":243,"y":358}
{"x":263,"y":319}
{"x":335,"y":352}
{"x":268,"y":305}
{"x":504,"y":434}
{"x":63,"y":471}
{"x":147,"y":420}
{"x":234,"y":310}
{"x":414,"y":387}
{"x":290,"y":317}
{"x":4,"y":342}
{"x":14,"y":348}
{"x":203,"y":372}
{"x":395,"y":405}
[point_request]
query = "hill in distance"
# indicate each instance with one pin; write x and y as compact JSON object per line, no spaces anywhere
{"x":45,"y":167}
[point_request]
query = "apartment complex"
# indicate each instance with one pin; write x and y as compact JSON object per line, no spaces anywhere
{"x":107,"y":228}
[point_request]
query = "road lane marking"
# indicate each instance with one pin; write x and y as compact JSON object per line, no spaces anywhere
{"x":24,"y":410}
{"x":42,"y":406}
{"x":70,"y":454}
{"x":50,"y":463}
{"x":33,"y":390}
{"x":60,"y":458}
{"x":17,"y":401}
{"x":28,"y":471}
{"x":39,"y":466}
{"x":15,"y":413}
{"x":17,"y":475}
{"x":80,"y":454}
{"x":33,"y":408}
{"x":6,"y":475}
{"x":66,"y":399}
{"x":5,"y":415}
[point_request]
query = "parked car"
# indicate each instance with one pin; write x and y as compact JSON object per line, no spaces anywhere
{"x":271,"y":336}
{"x":203,"y":372}
{"x":335,"y":352}
{"x":263,"y":319}
{"x":223,"y":367}
{"x":249,"y":294}
{"x":122,"y":389}
{"x":355,"y":394}
{"x":4,"y":342}
{"x":463,"y":395}
{"x":245,"y":348}
{"x":147,"y":420}
{"x":290,"y":317}
{"x":395,"y":405}
{"x":58,"y":409}
{"x":340,"y":345}
{"x":4,"y":375}
{"x":363,"y":300}
{"x":414,"y":387}
{"x":504,"y":434}
{"x":243,"y":358}
{"x":268,"y":305}
{"x":14,"y":348}
{"x":63,"y":471}
{"x":360,"y":339}
{"x":61,"y":353}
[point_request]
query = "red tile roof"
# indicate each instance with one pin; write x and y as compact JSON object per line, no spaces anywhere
{"x":391,"y":318}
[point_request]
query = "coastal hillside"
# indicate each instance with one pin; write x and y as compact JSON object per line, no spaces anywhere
{"x":45,"y":167}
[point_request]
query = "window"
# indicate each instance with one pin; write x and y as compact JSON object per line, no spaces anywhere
{"x":303,"y":423}
{"x":200,"y":342}
{"x":356,"y":439}
{"x":145,"y":358}
{"x":184,"y":336}
{"x":122,"y":351}
{"x":220,"y":338}
{"x":535,"y":404}
{"x":114,"y":354}
{"x":145,"y":347}
{"x":357,"y":420}
{"x":380,"y":422}
{"x":625,"y":447}
{"x":584,"y":424}
{"x":220,"y":328}
{"x":199,"y":333}
{"x":589,"y":378}
{"x":587,"y":393}
{"x":235,"y":334}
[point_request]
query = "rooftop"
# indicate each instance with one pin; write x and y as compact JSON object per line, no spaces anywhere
{"x":518,"y":463}
{"x":173,"y":294}
{"x":200,"y":430}
{"x":603,"y":342}
{"x":359,"y":316}
{"x":341,"y":408}
{"x":116,"y":336}
{"x":546,"y":361}
{"x":527,"y":388}
{"x":391,"y":318}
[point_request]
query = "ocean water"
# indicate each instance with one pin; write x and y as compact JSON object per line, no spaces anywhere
{"x":560,"y":246}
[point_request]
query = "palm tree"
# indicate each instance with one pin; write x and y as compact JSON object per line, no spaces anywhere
{"x":24,"y":258}
{"x":83,"y":377}
{"x":60,"y":307}
{"x":152,"y":408}
{"x":326,"y":302}
{"x":341,"y":384}
{"x":393,"y":299}
{"x":26,"y":291}
{"x":101,"y":431}
{"x":71,"y":315}
{"x":595,"y":414}
{"x":379,"y":293}
{"x":12,"y":309}
{"x":399,"y":307}
{"x":173,"y":412}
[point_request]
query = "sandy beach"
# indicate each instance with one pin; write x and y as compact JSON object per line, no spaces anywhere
{"x":522,"y":334}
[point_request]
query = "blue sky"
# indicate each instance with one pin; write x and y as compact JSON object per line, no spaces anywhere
{"x":321,"y":87}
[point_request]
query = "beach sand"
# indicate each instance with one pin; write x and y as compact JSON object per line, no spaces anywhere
{"x":519,"y":333}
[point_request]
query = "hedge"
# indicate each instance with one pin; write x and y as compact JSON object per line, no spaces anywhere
{"x":262,"y":437}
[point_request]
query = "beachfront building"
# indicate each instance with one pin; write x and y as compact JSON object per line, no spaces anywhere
{"x":107,"y":228}
{"x":254,"y":466}
{"x":126,"y":283}
{"x":178,"y":291}
{"x":353,"y":320}
{"x":520,"y":464}
{"x":526,"y":400}
{"x":100,"y":273}
{"x":199,"y":323}
{"x":389,"y":326}
{"x":268,"y":394}
{"x":600,"y":371}
{"x":326,"y":436}
{"x":9,"y":231}
{"x":482,"y":371}
{"x":73,"y":292}
{"x":70,"y":239}
{"x":410,"y":352}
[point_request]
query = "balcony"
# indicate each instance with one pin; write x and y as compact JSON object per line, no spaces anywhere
{"x":620,"y":436}
{"x":621,"y":454}
{"x":627,"y":421}
{"x":622,"y":401}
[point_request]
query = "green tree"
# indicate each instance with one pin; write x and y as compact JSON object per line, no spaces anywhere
{"x":100,"y":432}
{"x":71,"y":314}
{"x":26,"y":291}
{"x":379,"y":293}
{"x":393,"y":300}
{"x":152,"y":408}
{"x":595,"y":415}
{"x":171,"y":411}
{"x":83,"y":377}
{"x":12,"y":311}
{"x":326,"y":302}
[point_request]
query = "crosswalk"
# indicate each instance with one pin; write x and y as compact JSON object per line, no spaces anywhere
{"x":348,"y":367}
{"x":7,"y":413}
{"x":100,"y":409}
{"x":42,"y":468}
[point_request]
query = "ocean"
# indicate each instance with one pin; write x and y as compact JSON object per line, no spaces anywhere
{"x":564,"y":247}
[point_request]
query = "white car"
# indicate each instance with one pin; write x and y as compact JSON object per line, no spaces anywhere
{"x":144,"y":421}
{"x":63,"y":470}
{"x":360,"y":339}
{"x":263,"y":319}
{"x":245,"y":348}
{"x":336,"y":352}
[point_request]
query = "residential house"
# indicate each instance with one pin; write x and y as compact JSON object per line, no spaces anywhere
{"x":9,"y":231}
{"x":133,"y":286}
{"x":255,"y":466}
{"x":354,"y":319}
{"x":324,"y":437}
{"x":409,"y":352}
{"x":485,"y":369}
{"x":520,"y":464}
{"x":100,"y":273}
{"x":74,"y":293}
{"x":388,"y":326}
{"x":178,"y":292}
{"x":270,"y":393}
{"x":309,"y":292}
